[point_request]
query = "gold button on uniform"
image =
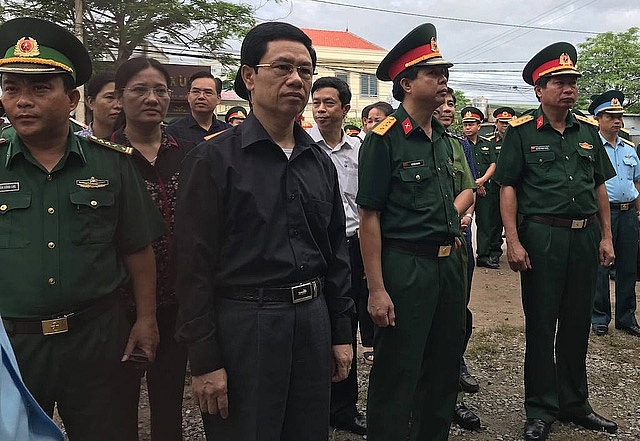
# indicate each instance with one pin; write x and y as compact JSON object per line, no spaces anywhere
{"x":52,"y":281}
{"x":93,"y":203}
{"x":49,"y":177}
{"x":418,"y":177}
{"x":3,"y":207}
{"x":51,"y":245}
{"x":50,"y":210}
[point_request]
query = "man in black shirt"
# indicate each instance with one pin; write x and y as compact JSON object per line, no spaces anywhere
{"x":263,"y":264}
{"x":203,"y":96}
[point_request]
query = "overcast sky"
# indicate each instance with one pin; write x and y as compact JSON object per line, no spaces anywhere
{"x":476,"y":49}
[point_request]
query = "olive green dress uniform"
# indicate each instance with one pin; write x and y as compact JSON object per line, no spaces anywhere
{"x":488,"y":206}
{"x":62,"y":235}
{"x":410,"y":180}
{"x":555,"y":175}
{"x":495,"y":242}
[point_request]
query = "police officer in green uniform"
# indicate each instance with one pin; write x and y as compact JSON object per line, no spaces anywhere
{"x":487,"y":194}
{"x":552,"y":171}
{"x":75,"y":220}
{"x":409,"y":230}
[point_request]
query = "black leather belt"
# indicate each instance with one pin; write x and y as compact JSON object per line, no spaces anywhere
{"x":297,"y":293}
{"x":63,"y":322}
{"x":574,"y":224}
{"x":623,"y":206}
{"x":422,"y":249}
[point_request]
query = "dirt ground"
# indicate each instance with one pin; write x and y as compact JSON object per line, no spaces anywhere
{"x":495,"y":356}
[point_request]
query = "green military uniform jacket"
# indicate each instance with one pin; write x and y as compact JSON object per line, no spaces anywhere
{"x":410,"y":180}
{"x":463,"y":178}
{"x":483,"y":154}
{"x":554,"y":174}
{"x":62,"y":234}
{"x":496,"y":144}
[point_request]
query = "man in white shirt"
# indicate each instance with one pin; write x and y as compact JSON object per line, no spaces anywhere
{"x":331,"y":97}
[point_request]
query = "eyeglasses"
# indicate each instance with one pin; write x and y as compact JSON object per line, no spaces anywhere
{"x":144,"y":91}
{"x":284,"y":69}
{"x":207,"y":92}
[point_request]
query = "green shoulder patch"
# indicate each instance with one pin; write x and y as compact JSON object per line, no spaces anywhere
{"x":626,"y":141}
{"x":521,"y":120}
{"x":591,"y":121}
{"x":111,"y":145}
{"x":383,"y":126}
{"x":213,"y":135}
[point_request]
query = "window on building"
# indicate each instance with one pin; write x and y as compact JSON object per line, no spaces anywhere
{"x":344,"y":76}
{"x":368,"y":85}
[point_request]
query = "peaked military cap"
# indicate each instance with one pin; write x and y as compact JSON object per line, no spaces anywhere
{"x":351,"y":130}
{"x":504,"y":114}
{"x":35,"y":46}
{"x":556,"y":59}
{"x":472,"y":114}
{"x":236,"y":112}
{"x":609,"y":102}
{"x":418,"y":48}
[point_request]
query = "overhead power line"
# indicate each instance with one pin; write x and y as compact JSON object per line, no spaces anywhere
{"x":459,"y":20}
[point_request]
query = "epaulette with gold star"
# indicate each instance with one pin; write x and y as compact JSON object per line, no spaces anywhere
{"x":111,"y":145}
{"x":591,"y":121}
{"x":521,"y":120}
{"x":383,"y":126}
{"x":626,"y":141}
{"x":213,"y":135}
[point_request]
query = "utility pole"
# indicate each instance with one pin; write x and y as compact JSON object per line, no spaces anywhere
{"x":79,"y":31}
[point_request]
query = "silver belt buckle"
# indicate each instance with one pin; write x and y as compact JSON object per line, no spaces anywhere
{"x":578,"y":223}
{"x":624,"y":207}
{"x":303,"y":292}
{"x":55,"y":326}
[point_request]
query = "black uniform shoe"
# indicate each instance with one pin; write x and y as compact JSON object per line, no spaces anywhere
{"x":536,"y":430}
{"x":599,"y":329}
{"x":495,"y":259}
{"x":487,"y":264}
{"x":465,"y":418}
{"x":593,"y":421}
{"x":633,"y":330}
{"x":357,"y":425}
{"x":468,"y":382}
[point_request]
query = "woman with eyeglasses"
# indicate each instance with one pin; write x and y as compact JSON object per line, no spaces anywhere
{"x":142,"y":86}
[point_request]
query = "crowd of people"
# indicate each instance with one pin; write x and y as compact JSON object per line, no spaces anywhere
{"x":253,"y":250}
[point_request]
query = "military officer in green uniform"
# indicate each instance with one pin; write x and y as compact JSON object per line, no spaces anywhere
{"x":75,"y":220}
{"x":409,"y":230}
{"x":555,"y":211}
{"x":501,"y":116}
{"x":487,"y":194}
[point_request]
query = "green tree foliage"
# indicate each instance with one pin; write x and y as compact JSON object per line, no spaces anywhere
{"x":114,"y":28}
{"x":610,"y":61}
{"x":461,"y":102}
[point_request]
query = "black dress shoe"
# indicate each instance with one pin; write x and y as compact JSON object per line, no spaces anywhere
{"x":357,"y":425}
{"x":465,"y":418}
{"x":599,"y":329}
{"x":468,"y":382}
{"x":487,"y":264}
{"x":593,"y":421}
{"x":536,"y":430}
{"x":633,"y":330}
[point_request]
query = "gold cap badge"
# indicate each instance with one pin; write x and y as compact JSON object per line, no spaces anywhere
{"x":26,"y":47}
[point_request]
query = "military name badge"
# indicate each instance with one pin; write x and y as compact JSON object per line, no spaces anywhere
{"x":586,"y":145}
{"x":414,"y":163}
{"x":539,"y":148}
{"x":6,"y":187}
{"x":92,"y":182}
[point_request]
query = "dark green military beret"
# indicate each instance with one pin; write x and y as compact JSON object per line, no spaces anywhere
{"x":556,"y":59}
{"x":504,"y":114}
{"x":418,"y":48}
{"x":34,"y":46}
{"x":609,"y":102}
{"x":472,"y":114}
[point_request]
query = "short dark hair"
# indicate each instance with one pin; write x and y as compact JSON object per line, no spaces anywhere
{"x":451,"y":92}
{"x":542,"y":83}
{"x":382,"y":106}
{"x":344,"y":93}
{"x":365,"y":111}
{"x":410,"y":73}
{"x":133,"y":66}
{"x":205,"y":74}
{"x":98,"y":81}
{"x":254,"y":45}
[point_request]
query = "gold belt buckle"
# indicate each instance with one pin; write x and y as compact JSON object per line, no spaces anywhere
{"x":444,"y":250}
{"x":55,"y":326}
{"x":578,"y":223}
{"x":624,"y":207}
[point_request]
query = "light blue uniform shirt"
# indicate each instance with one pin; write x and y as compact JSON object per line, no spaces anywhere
{"x":624,"y":158}
{"x":21,"y":418}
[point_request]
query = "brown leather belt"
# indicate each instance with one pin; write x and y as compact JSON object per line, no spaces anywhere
{"x":296,"y":293}
{"x":622,"y":206}
{"x":422,"y":249}
{"x":63,"y":322}
{"x":574,"y":224}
